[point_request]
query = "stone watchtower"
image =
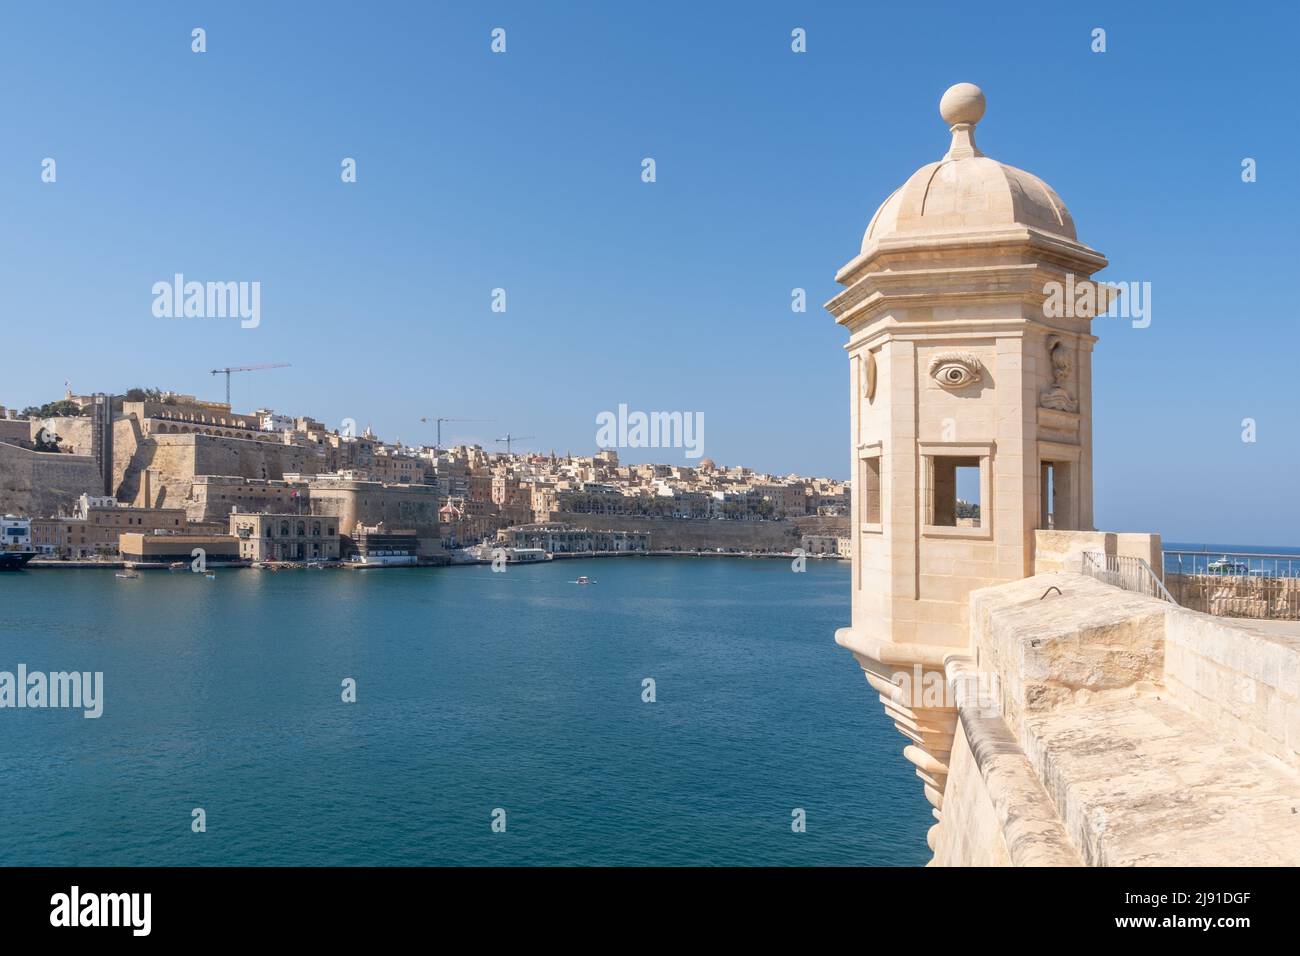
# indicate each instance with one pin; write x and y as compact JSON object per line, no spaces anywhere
{"x":971,"y":410}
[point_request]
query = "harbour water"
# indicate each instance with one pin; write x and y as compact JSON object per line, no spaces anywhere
{"x":1283,"y":562}
{"x":475,"y":691}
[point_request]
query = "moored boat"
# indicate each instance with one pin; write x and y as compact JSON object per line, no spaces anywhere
{"x":15,"y":560}
{"x":15,"y":543}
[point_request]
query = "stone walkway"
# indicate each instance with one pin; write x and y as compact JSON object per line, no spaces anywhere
{"x":1143,"y":782}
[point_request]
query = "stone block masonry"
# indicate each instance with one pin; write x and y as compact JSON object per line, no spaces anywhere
{"x":687,"y":534}
{"x":44,"y":483}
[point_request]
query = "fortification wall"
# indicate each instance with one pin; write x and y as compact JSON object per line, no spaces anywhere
{"x":1080,"y":684}
{"x":250,"y":459}
{"x":688,"y":533}
{"x":170,"y":458}
{"x":368,"y":503}
{"x":73,"y":430}
{"x":16,"y":431}
{"x":126,"y":448}
{"x":43,"y":483}
{"x":1242,"y":676}
{"x":212,"y":497}
{"x":175,"y":460}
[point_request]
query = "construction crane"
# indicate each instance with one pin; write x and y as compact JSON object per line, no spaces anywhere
{"x":509,"y":438}
{"x":438,"y":423}
{"x":243,"y":368}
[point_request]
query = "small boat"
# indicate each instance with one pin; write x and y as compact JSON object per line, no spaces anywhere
{"x":128,"y":573}
{"x":210,"y":576}
{"x":583,"y":579}
{"x":177,"y":566}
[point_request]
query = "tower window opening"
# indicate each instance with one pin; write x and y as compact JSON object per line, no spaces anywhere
{"x":955,"y":492}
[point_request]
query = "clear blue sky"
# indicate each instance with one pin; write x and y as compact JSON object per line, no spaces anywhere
{"x":522,"y":171}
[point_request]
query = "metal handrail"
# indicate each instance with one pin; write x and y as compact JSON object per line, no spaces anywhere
{"x":1126,"y":571}
{"x":1240,"y":584}
{"x":1228,"y":563}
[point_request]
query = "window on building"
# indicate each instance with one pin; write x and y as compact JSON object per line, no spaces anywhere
{"x":954,"y":486}
{"x":1056,"y":509}
{"x":869,"y":477}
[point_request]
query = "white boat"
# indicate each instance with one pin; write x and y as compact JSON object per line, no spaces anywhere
{"x":127,"y":574}
{"x":1226,"y":565}
{"x":583,"y":579}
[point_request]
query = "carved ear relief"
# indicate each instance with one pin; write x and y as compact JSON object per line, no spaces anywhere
{"x":956,"y":369}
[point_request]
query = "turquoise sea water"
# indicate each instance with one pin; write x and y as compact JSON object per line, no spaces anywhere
{"x":475,"y":690}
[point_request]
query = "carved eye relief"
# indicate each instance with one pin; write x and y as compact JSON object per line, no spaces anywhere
{"x":956,"y":369}
{"x":954,"y":376}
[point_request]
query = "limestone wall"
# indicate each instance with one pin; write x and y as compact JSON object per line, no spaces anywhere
{"x":176,"y":459}
{"x":16,"y":431}
{"x":73,"y":430}
{"x":1241,"y":676}
{"x":1112,"y":728}
{"x":127,"y":466}
{"x":251,"y":459}
{"x":1237,"y":595}
{"x":43,"y":483}
{"x":687,"y":534}
{"x":212,"y":497}
{"x":995,"y":811}
{"x":971,"y":834}
{"x":1063,"y":550}
{"x":1061,"y":638}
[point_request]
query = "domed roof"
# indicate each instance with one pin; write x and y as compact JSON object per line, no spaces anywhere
{"x":966,"y":191}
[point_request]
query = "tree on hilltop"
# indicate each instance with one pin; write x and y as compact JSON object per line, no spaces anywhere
{"x":60,"y":409}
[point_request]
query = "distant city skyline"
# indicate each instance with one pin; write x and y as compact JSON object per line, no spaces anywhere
{"x":523,"y":170}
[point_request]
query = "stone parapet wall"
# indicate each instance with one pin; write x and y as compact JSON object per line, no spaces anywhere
{"x":1063,"y":550}
{"x":1237,"y":595}
{"x":1243,"y":677}
{"x":996,"y":813}
{"x":1112,"y":728}
{"x":1063,"y":638}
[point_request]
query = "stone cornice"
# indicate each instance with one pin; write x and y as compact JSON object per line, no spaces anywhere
{"x":889,"y":653}
{"x":1013,"y":282}
{"x":1024,"y":240}
{"x":886,"y":329}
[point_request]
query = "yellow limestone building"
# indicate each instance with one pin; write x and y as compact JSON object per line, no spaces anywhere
{"x":968,"y":381}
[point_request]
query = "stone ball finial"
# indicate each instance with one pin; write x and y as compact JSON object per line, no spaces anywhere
{"x":963,"y":103}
